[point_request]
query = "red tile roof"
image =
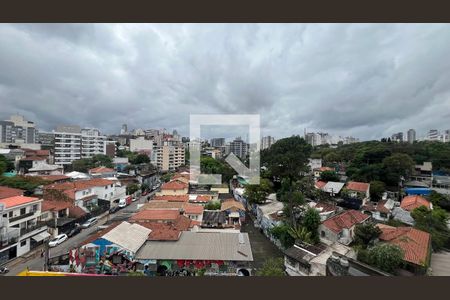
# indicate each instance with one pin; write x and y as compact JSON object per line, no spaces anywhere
{"x":232,"y":203}
{"x":101,"y":170}
{"x":378,"y":207}
{"x":358,"y":186}
{"x":55,"y":205}
{"x":156,"y":204}
{"x":172,"y":198}
{"x":193,"y":209}
{"x":320,"y":184}
{"x":409,"y":203}
{"x":414,"y":243}
{"x":162,"y":231}
{"x":6,"y":192}
{"x":345,"y":219}
{"x":325,"y":207}
{"x":174,"y":185}
{"x":156,"y":215}
{"x":70,"y":188}
{"x":322,"y":169}
{"x":76,"y":212}
{"x":17,"y":200}
{"x":54,"y":178}
{"x":34,"y":157}
{"x":202,"y":198}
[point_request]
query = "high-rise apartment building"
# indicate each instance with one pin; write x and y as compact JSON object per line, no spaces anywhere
{"x":267,"y":141}
{"x":168,"y":157}
{"x":239,"y":147}
{"x":67,"y":144}
{"x":411,"y":136}
{"x":218,"y":142}
{"x":397,"y":137}
{"x":92,"y":142}
{"x":433,"y":135}
{"x":17,"y":130}
{"x":45,"y":138}
{"x":124,"y":129}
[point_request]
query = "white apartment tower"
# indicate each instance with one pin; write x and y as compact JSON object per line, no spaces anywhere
{"x":411,"y":136}
{"x":267,"y":141}
{"x":67,"y":144}
{"x":92,"y":142}
{"x":168,"y":157}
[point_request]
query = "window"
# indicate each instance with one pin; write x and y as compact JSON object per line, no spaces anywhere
{"x":35,"y":207}
{"x":322,"y":233}
{"x":23,"y":211}
{"x":23,"y":243}
{"x":5,"y":215}
{"x":106,"y":187}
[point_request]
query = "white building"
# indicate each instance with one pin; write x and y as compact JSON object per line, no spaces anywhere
{"x":168,"y":157}
{"x":17,"y":130}
{"x":67,"y":144}
{"x":20,"y":230}
{"x":239,"y":148}
{"x":92,"y":142}
{"x":141,"y":144}
{"x":411,"y":136}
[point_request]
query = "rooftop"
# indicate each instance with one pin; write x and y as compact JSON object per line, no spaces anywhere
{"x":230,"y":203}
{"x":156,"y":215}
{"x":128,"y":236}
{"x":358,"y":186}
{"x":6,"y":192}
{"x":414,"y":243}
{"x":410,"y":203}
{"x":200,"y":246}
{"x":55,"y":205}
{"x":101,"y":170}
{"x":17,"y":201}
{"x":174,"y":185}
{"x":346,"y":219}
{"x":333,"y":187}
{"x":172,"y":198}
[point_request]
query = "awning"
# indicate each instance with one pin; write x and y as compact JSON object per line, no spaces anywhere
{"x":41,"y":236}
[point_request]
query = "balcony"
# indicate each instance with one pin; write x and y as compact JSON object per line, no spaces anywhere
{"x":13,"y":219}
{"x":11,"y":237}
{"x":39,"y":225}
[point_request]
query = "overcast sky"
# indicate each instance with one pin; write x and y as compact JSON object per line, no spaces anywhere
{"x":364,"y":80}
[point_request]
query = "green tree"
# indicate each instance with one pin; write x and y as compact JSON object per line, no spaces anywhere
{"x":396,"y":165}
{"x":82,"y":165}
{"x":301,"y":234}
{"x":144,"y":187}
{"x":99,"y":160}
{"x":281,"y":233}
{"x":166,"y":177}
{"x":435,"y":223}
{"x":440,"y":200}
{"x":27,"y":183}
{"x":140,"y":159}
{"x":329,"y":176}
{"x":132,"y":188}
{"x":377,"y":189}
{"x":257,"y":194}
{"x":209,"y":165}
{"x":386,"y":257}
{"x":272,"y":267}
{"x":213,"y":205}
{"x":311,"y":221}
{"x":366,"y":234}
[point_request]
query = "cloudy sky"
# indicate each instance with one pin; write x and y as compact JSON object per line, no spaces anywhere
{"x":364,"y":80}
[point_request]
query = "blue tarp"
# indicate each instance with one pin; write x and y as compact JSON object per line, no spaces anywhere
{"x":418,"y":191}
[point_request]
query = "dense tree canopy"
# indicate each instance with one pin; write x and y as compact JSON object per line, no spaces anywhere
{"x":366,"y":234}
{"x":272,"y":267}
{"x":257,"y":194}
{"x":434,"y":222}
{"x":84,"y":164}
{"x":281,"y":233}
{"x":329,"y":176}
{"x":209,"y":165}
{"x":386,"y":257}
{"x":27,"y":183}
{"x":377,"y":189}
{"x":5,"y":165}
{"x":311,"y":221}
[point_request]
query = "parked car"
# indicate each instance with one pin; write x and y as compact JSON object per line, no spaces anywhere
{"x":122,"y":203}
{"x":4,"y":270}
{"x":134,"y":199}
{"x":74,"y":231}
{"x":58,"y":240}
{"x":89,"y":222}
{"x":114,"y":209}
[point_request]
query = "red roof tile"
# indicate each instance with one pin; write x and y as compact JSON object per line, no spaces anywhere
{"x":409,"y":203}
{"x":156,"y":204}
{"x":172,"y":198}
{"x":232,"y":203}
{"x":162,"y":231}
{"x":174,"y":185}
{"x":33,"y":158}
{"x":55,"y":205}
{"x":6,"y":192}
{"x":320,"y":184}
{"x":70,"y":188}
{"x":358,"y":186}
{"x":101,"y":170}
{"x":346,"y":219}
{"x":202,"y":198}
{"x":193,"y":209}
{"x":414,"y":243}
{"x":322,"y":169}
{"x":76,"y":212}
{"x":54,"y":178}
{"x":156,"y":215}
{"x":17,"y":200}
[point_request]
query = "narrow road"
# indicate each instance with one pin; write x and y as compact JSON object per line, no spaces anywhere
{"x":37,"y":263}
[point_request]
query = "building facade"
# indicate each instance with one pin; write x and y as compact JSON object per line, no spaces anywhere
{"x":92,"y":142}
{"x":168,"y":157}
{"x":17,"y":130}
{"x":411,"y":136}
{"x":239,"y":147}
{"x":67,"y":144}
{"x":267,"y":141}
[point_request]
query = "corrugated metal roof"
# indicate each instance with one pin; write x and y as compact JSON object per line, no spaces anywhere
{"x":129,"y":236}
{"x":200,"y":246}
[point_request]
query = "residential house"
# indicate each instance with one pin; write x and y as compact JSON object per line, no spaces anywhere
{"x":360,"y":190}
{"x":326,"y":210}
{"x":333,"y":188}
{"x":416,"y":246}
{"x":423,"y":173}
{"x":235,"y":211}
{"x":318,"y":171}
{"x":379,"y":211}
{"x":43,"y":168}
{"x":174,"y":187}
{"x":171,"y":198}
{"x":56,"y":216}
{"x":268,"y":216}
{"x":410,"y":203}
{"x":314,"y":164}
{"x":102,"y":172}
{"x":200,"y":199}
{"x":214,"y":219}
{"x":55,"y":178}
{"x":20,"y":229}
{"x":309,"y":260}
{"x":320,"y":184}
{"x":220,"y":253}
{"x":192,"y":211}
{"x":220,"y":189}
{"x":403,"y":216}
{"x":30,"y":162}
{"x":340,"y":228}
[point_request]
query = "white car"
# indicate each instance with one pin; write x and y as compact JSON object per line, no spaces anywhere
{"x":89,"y":223}
{"x":122,"y":203}
{"x":134,"y":199}
{"x":58,"y":240}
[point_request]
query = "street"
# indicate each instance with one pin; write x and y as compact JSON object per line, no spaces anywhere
{"x":37,"y":263}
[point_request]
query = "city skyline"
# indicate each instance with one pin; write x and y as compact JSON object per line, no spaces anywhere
{"x":151,"y":75}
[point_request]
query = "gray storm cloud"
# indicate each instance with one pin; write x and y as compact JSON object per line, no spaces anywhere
{"x":350,"y":79}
